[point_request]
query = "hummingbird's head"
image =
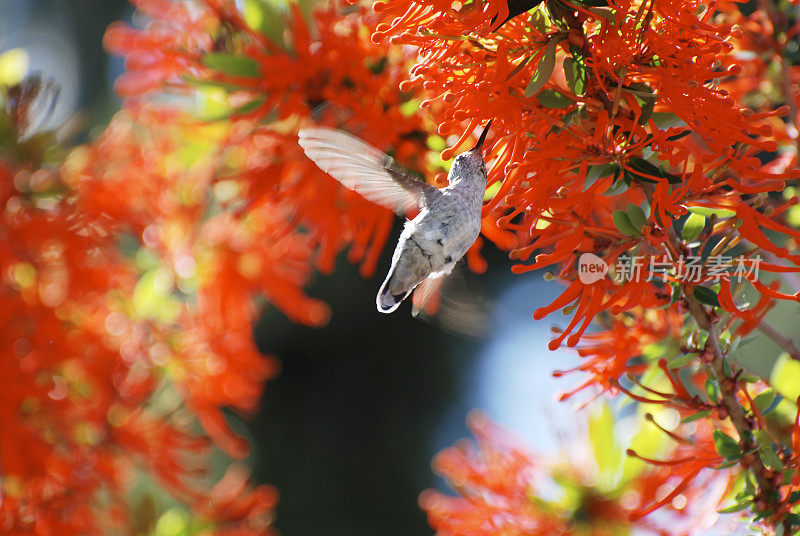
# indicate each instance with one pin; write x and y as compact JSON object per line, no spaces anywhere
{"x":470,"y":163}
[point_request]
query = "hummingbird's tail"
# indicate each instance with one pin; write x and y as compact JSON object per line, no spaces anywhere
{"x":409,"y":267}
{"x":386,"y":301}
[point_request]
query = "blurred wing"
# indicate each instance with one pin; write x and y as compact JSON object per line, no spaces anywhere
{"x":31,"y":103}
{"x":450,"y":302}
{"x":366,"y":170}
{"x":427,"y":293}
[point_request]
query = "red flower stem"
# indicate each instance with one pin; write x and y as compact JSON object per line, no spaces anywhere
{"x":767,"y":490}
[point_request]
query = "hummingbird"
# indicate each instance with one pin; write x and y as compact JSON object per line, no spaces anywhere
{"x":449,"y":219}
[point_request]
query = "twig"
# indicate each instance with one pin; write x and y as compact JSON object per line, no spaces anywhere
{"x":786,"y":344}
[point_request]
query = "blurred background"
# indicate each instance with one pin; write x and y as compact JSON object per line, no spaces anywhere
{"x":347,"y":431}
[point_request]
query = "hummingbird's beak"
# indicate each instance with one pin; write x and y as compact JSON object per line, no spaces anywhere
{"x":479,"y":146}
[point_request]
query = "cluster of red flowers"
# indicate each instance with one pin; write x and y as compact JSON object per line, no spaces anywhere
{"x":638,"y":114}
{"x":616,"y":124}
{"x":85,"y":354}
{"x":506,"y":490}
{"x":274,"y":85}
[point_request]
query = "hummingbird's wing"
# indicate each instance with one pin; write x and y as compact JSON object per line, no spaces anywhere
{"x":448,"y":301}
{"x":31,"y":103}
{"x":366,"y":170}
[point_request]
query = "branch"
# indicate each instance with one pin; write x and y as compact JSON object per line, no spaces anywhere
{"x":767,"y":491}
{"x":786,"y":344}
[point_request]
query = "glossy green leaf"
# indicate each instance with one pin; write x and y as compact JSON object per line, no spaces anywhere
{"x":605,"y":13}
{"x":696,"y":416}
{"x":575,"y":72}
{"x":623,"y":223}
{"x":595,"y":173}
{"x":550,"y":98}
{"x":711,"y":390}
{"x":665,"y":120}
{"x":770,"y":459}
{"x":539,"y":20}
{"x":681,"y":361}
{"x":645,"y":171}
{"x":767,"y":452}
{"x":764,"y":399}
{"x":708,"y":212}
{"x":705,"y":296}
{"x":726,"y":446}
{"x":545,"y":68}
{"x":636,"y":216}
{"x":735,"y":508}
{"x":693,"y":226}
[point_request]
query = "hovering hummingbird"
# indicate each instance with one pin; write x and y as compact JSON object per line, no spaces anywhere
{"x":449,"y":220}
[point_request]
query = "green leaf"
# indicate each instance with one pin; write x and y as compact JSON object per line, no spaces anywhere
{"x":725,"y":465}
{"x":727,"y":447}
{"x":767,"y":452}
{"x":645,"y":167}
{"x":595,"y":173}
{"x":575,"y":116}
{"x":693,"y":226}
{"x":764,"y":399}
{"x":711,"y":390}
{"x":545,"y":68}
{"x":708,"y":212}
{"x":705,"y":296}
{"x":735,"y":508}
{"x":575,"y":72}
{"x":539,"y":20}
{"x":695,"y":416}
{"x":681,"y":360}
{"x":679,"y":135}
{"x":665,"y":120}
{"x":623,"y":223}
{"x":648,"y":105}
{"x":770,"y":459}
{"x":645,"y":97}
{"x":231,"y":64}
{"x":636,"y":216}
{"x":604,"y":13}
{"x":641,"y":90}
{"x":550,"y":98}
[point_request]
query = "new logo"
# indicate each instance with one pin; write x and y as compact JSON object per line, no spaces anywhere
{"x":591,"y":268}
